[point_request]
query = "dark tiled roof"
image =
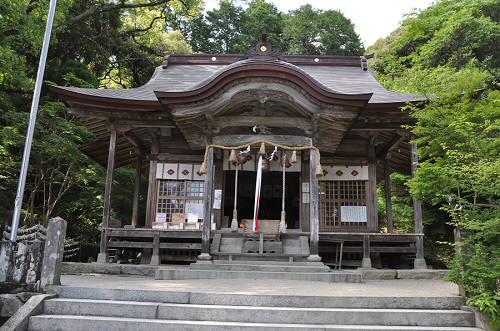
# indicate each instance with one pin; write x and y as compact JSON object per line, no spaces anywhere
{"x":185,"y":77}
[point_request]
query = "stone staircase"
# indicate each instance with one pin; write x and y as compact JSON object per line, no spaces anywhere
{"x":254,"y":269}
{"x":78,"y":308}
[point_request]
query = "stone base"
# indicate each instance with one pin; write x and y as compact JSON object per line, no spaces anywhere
{"x":419,"y":264}
{"x":102,"y":258}
{"x":366,"y":263}
{"x":204,"y":258}
{"x":314,"y":258}
{"x":234,"y":225}
{"x":155,"y":260}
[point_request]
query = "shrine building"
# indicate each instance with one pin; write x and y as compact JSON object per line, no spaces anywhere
{"x":313,"y":134}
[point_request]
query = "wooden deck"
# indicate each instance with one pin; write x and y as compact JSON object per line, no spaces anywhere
{"x":188,"y":242}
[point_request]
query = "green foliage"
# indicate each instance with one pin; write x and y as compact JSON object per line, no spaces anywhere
{"x":449,"y":53}
{"x":94,"y":43}
{"x":232,"y":28}
{"x":311,"y":31}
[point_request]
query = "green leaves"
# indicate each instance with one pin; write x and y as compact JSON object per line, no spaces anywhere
{"x":231,"y":28}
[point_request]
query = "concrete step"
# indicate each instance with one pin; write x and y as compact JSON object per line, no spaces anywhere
{"x":85,"y":323}
{"x":381,"y":302}
{"x":331,"y":277}
{"x":260,"y":267}
{"x":252,"y":314}
{"x":259,"y":262}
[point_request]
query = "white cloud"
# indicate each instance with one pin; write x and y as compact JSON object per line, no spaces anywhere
{"x":373,"y":19}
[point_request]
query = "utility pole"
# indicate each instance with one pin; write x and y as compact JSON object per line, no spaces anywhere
{"x":31,"y":127}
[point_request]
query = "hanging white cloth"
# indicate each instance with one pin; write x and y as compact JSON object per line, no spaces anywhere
{"x":258,"y":182}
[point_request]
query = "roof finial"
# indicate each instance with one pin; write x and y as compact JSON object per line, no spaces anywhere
{"x":264,"y":35}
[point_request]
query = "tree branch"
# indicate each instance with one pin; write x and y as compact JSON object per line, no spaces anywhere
{"x":96,"y":10}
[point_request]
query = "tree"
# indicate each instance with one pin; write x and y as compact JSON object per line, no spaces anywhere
{"x":218,"y":30}
{"x":312,"y":31}
{"x":232,"y":28}
{"x":449,"y":52}
{"x":94,"y":43}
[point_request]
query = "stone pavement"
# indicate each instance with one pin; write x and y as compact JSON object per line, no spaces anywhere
{"x":379,"y":288}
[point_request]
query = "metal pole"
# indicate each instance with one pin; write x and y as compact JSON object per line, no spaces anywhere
{"x":31,"y":127}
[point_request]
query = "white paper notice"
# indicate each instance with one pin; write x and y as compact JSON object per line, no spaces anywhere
{"x":194,"y":208}
{"x":161,"y":217}
{"x":217,"y":199}
{"x":353,"y":214}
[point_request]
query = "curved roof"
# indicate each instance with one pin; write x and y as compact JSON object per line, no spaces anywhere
{"x":183,"y":73}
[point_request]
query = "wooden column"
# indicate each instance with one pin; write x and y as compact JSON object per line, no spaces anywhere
{"x":417,"y":215}
{"x":313,"y":208}
{"x":371,"y":192}
{"x":103,"y":256}
{"x":304,"y":206}
{"x":207,"y":207}
{"x":367,"y":261}
{"x":388,"y":195}
{"x":137,"y":190}
{"x":218,"y":174}
{"x":151,"y":198}
{"x":155,"y":258}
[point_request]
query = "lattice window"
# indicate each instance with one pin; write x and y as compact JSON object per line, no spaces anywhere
{"x":174,"y":195}
{"x":337,"y":194}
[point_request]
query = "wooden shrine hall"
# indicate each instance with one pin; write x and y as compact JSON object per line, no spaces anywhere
{"x":314,"y":134}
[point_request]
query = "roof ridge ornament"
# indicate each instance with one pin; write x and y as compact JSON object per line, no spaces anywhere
{"x":263,"y":49}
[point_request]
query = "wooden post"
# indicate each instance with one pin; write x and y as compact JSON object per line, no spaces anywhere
{"x":388,"y":195}
{"x":304,"y":206}
{"x":218,"y":173}
{"x":371,"y":194}
{"x":367,"y":261}
{"x":419,"y":262}
{"x":151,"y":198}
{"x":102,"y":257}
{"x":137,"y":189}
{"x":313,"y":208}
{"x":207,"y":208}
{"x":155,"y":258}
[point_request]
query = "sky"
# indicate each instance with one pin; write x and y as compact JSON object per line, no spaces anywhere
{"x":373,"y":19}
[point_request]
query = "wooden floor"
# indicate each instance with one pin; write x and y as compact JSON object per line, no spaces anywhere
{"x":188,"y":242}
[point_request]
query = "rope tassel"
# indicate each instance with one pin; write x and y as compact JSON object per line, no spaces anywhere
{"x":232,"y":157}
{"x":262,"y":149}
{"x":293,"y":159}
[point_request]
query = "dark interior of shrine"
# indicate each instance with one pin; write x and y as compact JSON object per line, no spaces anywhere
{"x":271,"y":194}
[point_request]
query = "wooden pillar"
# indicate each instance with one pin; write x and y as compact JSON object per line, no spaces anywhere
{"x":137,"y":189}
{"x":419,"y":262}
{"x":388,"y":195}
{"x":304,"y":206}
{"x":207,"y":207}
{"x":367,"y":261}
{"x":371,"y":194}
{"x":313,"y":208}
{"x":218,"y":174}
{"x":103,"y":256}
{"x":155,"y":258}
{"x":151,"y":198}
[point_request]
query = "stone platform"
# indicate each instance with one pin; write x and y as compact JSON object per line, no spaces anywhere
{"x":249,"y":269}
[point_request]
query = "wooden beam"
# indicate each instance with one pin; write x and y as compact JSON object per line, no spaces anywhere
{"x":233,"y":140}
{"x":222,"y":122}
{"x":107,"y":196}
{"x":390,"y":146}
{"x":136,"y":142}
